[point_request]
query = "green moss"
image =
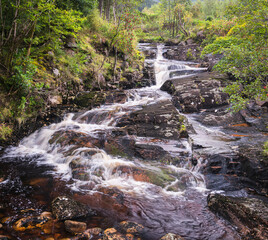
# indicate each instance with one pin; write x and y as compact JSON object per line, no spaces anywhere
{"x":115,"y":151}
{"x":265,"y":149}
{"x":5,"y":131}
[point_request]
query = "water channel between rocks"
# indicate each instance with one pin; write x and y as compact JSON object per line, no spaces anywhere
{"x":76,"y":156}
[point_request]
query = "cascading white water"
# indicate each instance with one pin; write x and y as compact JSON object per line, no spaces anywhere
{"x":99,"y":167}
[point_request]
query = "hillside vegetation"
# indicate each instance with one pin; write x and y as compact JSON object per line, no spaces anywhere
{"x":55,"y":48}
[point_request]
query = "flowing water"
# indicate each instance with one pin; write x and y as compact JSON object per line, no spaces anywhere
{"x":178,"y":206}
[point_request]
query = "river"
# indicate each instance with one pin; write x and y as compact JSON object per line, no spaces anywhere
{"x":42,"y":167}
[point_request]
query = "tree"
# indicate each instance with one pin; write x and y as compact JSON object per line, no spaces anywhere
{"x":245,"y":51}
{"x":25,"y":24}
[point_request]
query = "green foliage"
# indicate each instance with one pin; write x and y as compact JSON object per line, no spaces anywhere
{"x":265,"y":149}
{"x":5,"y":131}
{"x":245,"y":49}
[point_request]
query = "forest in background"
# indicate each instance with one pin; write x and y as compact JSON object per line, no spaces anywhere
{"x":63,"y":47}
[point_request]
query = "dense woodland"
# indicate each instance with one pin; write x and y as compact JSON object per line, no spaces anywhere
{"x":68,"y":46}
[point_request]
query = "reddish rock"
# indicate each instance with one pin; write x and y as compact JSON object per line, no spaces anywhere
{"x":248,"y":214}
{"x":74,"y":226}
{"x":112,"y":234}
{"x":131,"y":227}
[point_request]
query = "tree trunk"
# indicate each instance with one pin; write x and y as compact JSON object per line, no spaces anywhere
{"x":108,"y":6}
{"x":101,"y":7}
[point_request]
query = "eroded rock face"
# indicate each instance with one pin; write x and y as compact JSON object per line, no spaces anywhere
{"x":192,"y":93}
{"x":157,"y":120}
{"x":64,"y":208}
{"x":250,"y":215}
{"x":254,"y":164}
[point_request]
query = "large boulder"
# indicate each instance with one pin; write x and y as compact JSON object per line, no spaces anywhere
{"x":185,"y":51}
{"x":160,"y":120}
{"x":249,"y":215}
{"x":95,"y":98}
{"x":192,"y":93}
{"x":65,"y":208}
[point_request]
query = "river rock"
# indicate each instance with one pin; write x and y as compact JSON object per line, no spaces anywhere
{"x":192,"y":93}
{"x":249,"y":215}
{"x":171,"y":236}
{"x":150,"y":152}
{"x":186,"y":51}
{"x":160,"y":120}
{"x":149,"y":73}
{"x":78,"y":139}
{"x":30,"y":223}
{"x":159,"y":178}
{"x":112,"y":234}
{"x":64,"y":208}
{"x":74,"y":226}
{"x":131,"y":227}
{"x":134,"y":79}
{"x":94,"y":231}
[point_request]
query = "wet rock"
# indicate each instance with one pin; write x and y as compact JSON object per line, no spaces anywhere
{"x":159,"y":178}
{"x":220,"y":117}
{"x":30,"y":222}
{"x":112,"y":234}
{"x":64,"y":208}
{"x":94,"y":231}
{"x":74,"y":226}
{"x":116,"y":97}
{"x":90,"y":99}
{"x":171,"y":236}
{"x":186,"y":51}
{"x":149,"y":73}
{"x":77,"y":139}
{"x":118,"y":143}
{"x":160,"y":120}
{"x":134,"y":80}
{"x":149,"y":152}
{"x":150,"y":53}
{"x":248,"y":214}
{"x":210,"y":60}
{"x":131,"y":227}
{"x":3,"y":237}
{"x":254,"y":165}
{"x":192,"y":93}
{"x":114,"y":192}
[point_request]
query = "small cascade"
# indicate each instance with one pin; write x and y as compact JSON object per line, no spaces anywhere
{"x":81,"y":152}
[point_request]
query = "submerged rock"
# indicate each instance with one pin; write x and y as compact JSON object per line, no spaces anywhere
{"x":250,"y":215}
{"x":131,"y":227}
{"x":75,"y":227}
{"x":160,"y":120}
{"x":112,"y":234}
{"x":64,"y":208}
{"x":30,"y":222}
